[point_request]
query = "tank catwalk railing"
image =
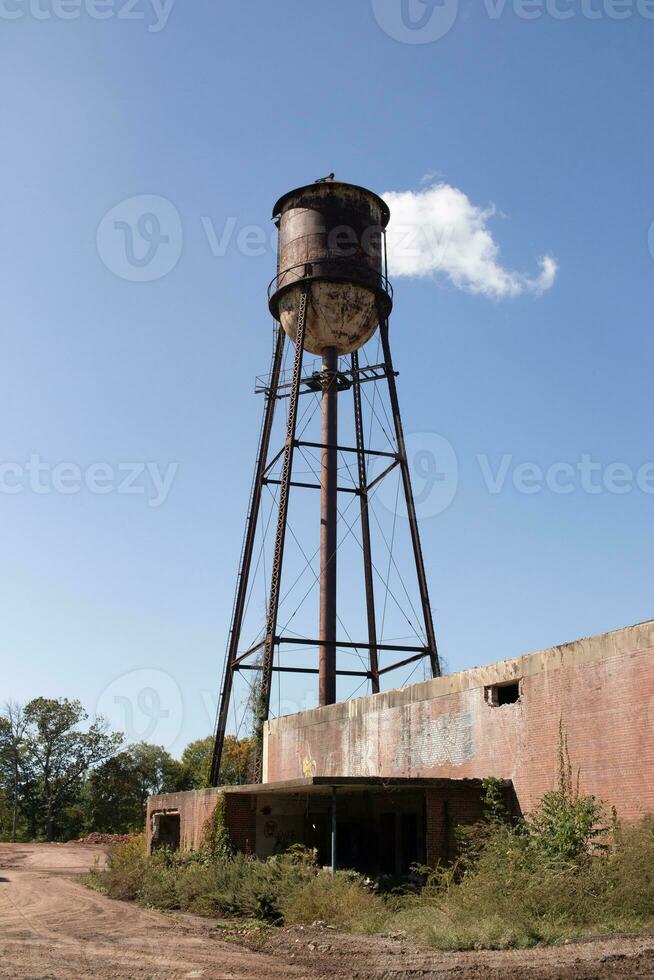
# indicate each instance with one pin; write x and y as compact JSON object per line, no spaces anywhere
{"x":334,"y":268}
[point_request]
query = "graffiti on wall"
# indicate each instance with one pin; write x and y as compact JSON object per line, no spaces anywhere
{"x":428,"y":742}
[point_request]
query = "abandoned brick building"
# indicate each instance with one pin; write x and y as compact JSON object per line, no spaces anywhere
{"x":387,"y":778}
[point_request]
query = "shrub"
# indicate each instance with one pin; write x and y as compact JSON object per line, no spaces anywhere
{"x":241,"y":885}
{"x":341,"y":900}
{"x":126,"y":864}
{"x":566,"y":824}
{"x":159,"y":881}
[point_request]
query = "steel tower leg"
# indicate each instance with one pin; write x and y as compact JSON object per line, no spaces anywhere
{"x":263,"y":707}
{"x":410,"y":503}
{"x":328,"y":528}
{"x":246,"y":558}
{"x":365,"y":525}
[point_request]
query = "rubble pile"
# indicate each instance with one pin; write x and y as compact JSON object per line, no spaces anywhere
{"x":96,"y":838}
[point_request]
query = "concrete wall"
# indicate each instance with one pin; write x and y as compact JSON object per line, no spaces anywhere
{"x":601,"y":689}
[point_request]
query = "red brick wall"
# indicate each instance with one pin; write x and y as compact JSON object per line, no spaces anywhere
{"x":194,"y":808}
{"x":240,"y":818}
{"x":197,"y":807}
{"x":445,"y":811}
{"x":600,"y":689}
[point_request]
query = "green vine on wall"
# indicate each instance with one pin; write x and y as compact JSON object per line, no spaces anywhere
{"x":217,"y":838}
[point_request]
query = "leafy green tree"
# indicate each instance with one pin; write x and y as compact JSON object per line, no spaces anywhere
{"x":111,"y":797}
{"x":5,"y":812}
{"x":13,"y":725}
{"x":196,"y":758}
{"x":62,"y":777}
{"x":58,"y":754}
{"x":5,"y":781}
{"x":116,"y":792}
{"x":157,"y":771}
{"x":238,"y":761}
{"x":236,"y":764}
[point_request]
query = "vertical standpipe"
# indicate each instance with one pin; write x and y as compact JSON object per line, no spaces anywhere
{"x":328,"y":528}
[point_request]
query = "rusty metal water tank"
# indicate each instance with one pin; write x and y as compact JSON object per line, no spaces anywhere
{"x":331,"y":235}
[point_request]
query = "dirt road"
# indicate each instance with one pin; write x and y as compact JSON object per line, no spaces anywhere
{"x":53,"y":928}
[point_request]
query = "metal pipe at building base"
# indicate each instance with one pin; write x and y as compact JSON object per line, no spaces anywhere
{"x":333,"y":815}
{"x":328,"y":527}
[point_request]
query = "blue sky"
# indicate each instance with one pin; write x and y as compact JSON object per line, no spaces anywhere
{"x":124,"y":604}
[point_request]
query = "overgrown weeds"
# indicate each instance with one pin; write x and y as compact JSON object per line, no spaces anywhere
{"x":342,"y":900}
{"x":229,"y":884}
{"x":504,"y":890}
{"x":558,"y":874}
{"x":125,"y":871}
{"x":519,"y":895}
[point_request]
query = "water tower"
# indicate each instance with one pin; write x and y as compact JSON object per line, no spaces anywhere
{"x":330,"y":295}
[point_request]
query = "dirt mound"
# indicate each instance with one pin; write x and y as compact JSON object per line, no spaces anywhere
{"x":96,"y":838}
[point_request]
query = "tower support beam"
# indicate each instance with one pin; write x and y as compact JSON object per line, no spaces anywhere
{"x":365,"y":527}
{"x":263,"y":699}
{"x":410,"y":502}
{"x":246,"y":559}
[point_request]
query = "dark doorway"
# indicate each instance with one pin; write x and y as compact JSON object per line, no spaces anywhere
{"x":387,"y":844}
{"x":409,"y":841}
{"x":350,"y":846}
{"x":166,"y":831}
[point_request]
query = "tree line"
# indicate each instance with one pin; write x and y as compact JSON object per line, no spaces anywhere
{"x":62,"y":777}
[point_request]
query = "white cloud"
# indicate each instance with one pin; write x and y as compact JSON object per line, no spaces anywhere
{"x":439,"y":231}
